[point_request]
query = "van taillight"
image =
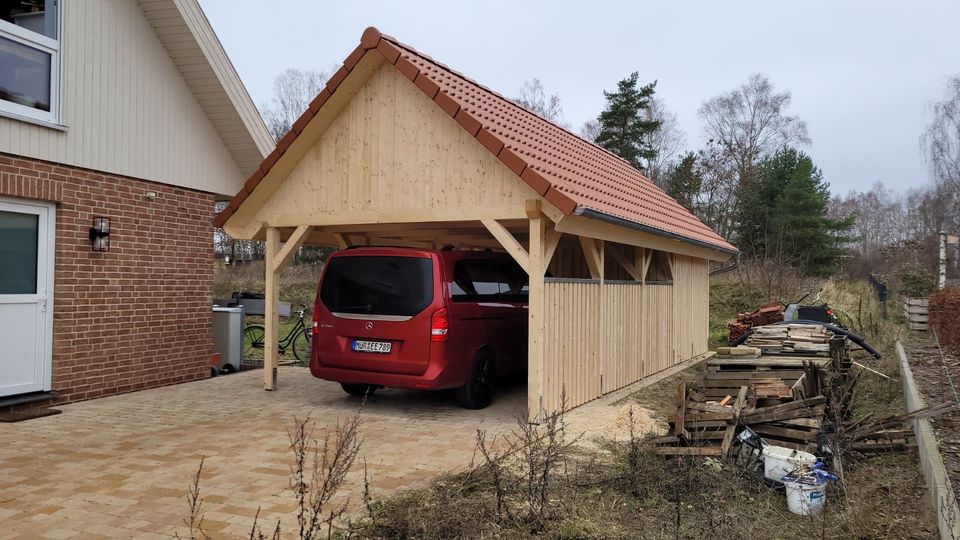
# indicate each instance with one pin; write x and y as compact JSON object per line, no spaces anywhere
{"x":316,"y":326}
{"x":439,"y":324}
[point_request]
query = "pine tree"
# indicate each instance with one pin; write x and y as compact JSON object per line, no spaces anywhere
{"x":623,"y":129}
{"x":684,"y":181}
{"x":783,"y":215}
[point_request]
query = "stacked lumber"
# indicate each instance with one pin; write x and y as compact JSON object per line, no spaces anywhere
{"x":707,"y":428}
{"x":791,"y":339}
{"x":916,"y":311}
{"x":767,"y":314}
{"x":737,"y":353}
{"x":724,"y":374}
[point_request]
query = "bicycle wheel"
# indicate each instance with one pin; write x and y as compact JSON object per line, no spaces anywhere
{"x":253,"y":339}
{"x":301,"y":346}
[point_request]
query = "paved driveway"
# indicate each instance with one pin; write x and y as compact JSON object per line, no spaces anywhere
{"x":120,"y":466}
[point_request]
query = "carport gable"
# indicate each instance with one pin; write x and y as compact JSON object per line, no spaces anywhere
{"x":383,"y":154}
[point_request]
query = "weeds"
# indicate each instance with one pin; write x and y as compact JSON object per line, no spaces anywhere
{"x":317,"y":474}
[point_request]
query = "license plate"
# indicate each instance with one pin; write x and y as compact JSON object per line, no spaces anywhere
{"x":382,"y":347}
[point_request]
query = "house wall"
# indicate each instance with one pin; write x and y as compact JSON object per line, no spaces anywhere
{"x":125,"y":107}
{"x":139,"y":315}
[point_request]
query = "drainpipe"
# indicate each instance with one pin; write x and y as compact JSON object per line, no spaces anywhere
{"x":725,"y":269}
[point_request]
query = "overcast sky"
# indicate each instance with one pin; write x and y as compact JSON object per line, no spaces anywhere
{"x":863,"y":74}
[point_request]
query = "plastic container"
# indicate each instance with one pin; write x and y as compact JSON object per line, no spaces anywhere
{"x":779,"y":461}
{"x":806,"y":494}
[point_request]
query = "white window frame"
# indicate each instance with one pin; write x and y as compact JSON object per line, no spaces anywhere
{"x":44,"y":44}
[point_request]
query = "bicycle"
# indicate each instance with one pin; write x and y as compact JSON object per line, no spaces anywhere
{"x":298,"y":340}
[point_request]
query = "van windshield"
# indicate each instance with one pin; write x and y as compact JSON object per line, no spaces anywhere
{"x":398,"y":286}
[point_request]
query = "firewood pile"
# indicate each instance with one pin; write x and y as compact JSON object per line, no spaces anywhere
{"x":790,"y":339}
{"x":802,"y":403}
{"x":767,"y":314}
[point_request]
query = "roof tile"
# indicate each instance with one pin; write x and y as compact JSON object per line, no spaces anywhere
{"x":389,"y":51}
{"x":429,"y":87}
{"x":469,"y":123}
{"x":318,"y":101}
{"x":447,"y":103}
{"x":512,"y":160}
{"x":406,"y":67}
{"x":491,"y":141}
{"x":354,"y":57}
{"x":336,"y":79}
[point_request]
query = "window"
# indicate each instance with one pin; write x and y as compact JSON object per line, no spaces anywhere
{"x":394,"y":286}
{"x":488,"y":280}
{"x":18,"y":253}
{"x":30,"y":59}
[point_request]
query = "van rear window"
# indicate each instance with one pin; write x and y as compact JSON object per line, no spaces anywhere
{"x":377,"y":285}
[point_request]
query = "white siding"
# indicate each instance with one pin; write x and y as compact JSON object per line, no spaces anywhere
{"x":126,"y":108}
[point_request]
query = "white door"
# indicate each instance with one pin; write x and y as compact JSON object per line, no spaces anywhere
{"x":26,"y":295}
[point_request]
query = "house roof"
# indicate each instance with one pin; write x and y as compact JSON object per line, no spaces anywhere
{"x":572,"y":174}
{"x":194,"y":49}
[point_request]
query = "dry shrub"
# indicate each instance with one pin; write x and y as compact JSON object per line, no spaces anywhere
{"x":298,"y":282}
{"x":945,"y":316}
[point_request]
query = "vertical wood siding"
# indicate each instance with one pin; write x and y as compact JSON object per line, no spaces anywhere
{"x":601,"y":337}
{"x":126,"y":108}
{"x":391,"y":134}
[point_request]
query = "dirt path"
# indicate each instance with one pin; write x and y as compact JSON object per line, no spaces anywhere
{"x":931,"y":373}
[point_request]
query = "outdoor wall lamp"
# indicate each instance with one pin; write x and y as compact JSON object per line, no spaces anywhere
{"x":100,"y":234}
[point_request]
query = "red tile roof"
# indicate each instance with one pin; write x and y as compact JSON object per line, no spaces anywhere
{"x":574,"y":175}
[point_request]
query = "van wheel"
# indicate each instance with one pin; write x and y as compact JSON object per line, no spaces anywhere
{"x":481,"y":384}
{"x":358,"y":390}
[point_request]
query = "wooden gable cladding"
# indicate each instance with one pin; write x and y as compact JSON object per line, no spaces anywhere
{"x":391,"y":149}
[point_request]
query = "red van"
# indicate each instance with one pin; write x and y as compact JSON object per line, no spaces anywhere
{"x":420,"y":319}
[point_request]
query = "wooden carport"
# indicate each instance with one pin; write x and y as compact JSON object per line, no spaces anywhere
{"x":399,"y":149}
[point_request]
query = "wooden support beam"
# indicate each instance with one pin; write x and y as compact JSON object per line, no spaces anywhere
{"x":513,"y":247}
{"x":342,"y":240}
{"x":535,"y":320}
{"x":635,"y":273}
{"x":291,"y":246}
{"x":591,"y":252}
{"x":551,"y":241}
{"x":647,"y":257}
{"x":271,"y":316}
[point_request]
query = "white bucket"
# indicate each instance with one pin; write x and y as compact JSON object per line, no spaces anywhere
{"x":779,"y":461}
{"x":805,"y":495}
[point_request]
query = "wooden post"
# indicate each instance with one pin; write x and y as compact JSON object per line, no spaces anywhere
{"x":535,"y":317}
{"x":271,"y":317}
{"x":942,"y":270}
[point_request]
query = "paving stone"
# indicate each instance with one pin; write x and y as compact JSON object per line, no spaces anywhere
{"x":120,"y":467}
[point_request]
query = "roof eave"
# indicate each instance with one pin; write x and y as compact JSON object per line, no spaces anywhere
{"x":594,"y":214}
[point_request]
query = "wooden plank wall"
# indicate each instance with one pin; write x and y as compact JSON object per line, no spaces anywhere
{"x":658,"y":328}
{"x":601,"y":337}
{"x":691,"y":293}
{"x":623,"y":334}
{"x":571,"y":342}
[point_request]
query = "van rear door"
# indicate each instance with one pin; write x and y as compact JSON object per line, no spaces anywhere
{"x":376,"y":316}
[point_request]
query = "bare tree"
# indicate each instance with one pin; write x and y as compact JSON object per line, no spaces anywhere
{"x":942,"y":138}
{"x":293,"y":90}
{"x":750,"y":122}
{"x":533,"y":97}
{"x":666,"y":141}
{"x":590,"y":130}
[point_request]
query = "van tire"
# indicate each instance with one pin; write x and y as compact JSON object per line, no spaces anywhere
{"x":481,"y":384}
{"x":358,"y":390}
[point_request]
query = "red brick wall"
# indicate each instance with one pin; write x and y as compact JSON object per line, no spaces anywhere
{"x":139,"y":315}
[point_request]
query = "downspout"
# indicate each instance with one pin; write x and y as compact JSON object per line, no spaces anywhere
{"x":725,"y":269}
